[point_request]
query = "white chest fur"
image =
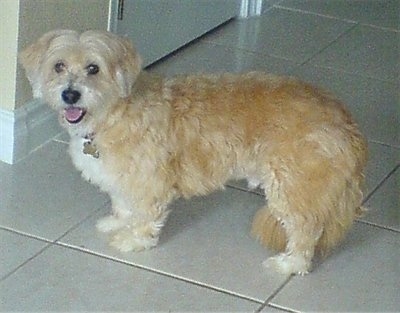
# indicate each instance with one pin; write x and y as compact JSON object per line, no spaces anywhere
{"x":91,"y":167}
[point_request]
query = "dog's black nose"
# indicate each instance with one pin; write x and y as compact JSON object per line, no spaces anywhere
{"x":70,"y":96}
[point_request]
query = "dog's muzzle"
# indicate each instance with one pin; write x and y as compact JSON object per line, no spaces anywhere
{"x":73,"y":114}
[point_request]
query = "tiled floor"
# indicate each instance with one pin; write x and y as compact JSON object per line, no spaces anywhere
{"x":53,"y":259}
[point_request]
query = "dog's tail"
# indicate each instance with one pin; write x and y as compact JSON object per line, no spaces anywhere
{"x":337,"y":221}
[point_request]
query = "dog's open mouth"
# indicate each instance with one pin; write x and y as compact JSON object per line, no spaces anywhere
{"x":74,"y":115}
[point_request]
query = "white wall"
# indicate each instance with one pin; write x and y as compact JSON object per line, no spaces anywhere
{"x":8,"y":51}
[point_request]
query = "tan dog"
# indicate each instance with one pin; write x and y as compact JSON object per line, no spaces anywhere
{"x":146,"y":141}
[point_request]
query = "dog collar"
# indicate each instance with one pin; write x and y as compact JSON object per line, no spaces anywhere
{"x":89,"y":147}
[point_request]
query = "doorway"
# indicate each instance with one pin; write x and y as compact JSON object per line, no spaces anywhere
{"x":159,"y":27}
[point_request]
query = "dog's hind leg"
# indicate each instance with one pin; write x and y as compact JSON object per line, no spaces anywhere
{"x":302,"y":238}
{"x":291,"y":224}
{"x":308,"y":211}
{"x":293,"y":234}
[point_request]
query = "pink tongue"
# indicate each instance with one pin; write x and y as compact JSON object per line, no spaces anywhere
{"x":73,"y":114}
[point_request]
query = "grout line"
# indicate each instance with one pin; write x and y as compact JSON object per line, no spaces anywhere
{"x":257,"y":193}
{"x":384,"y":179}
{"x":339,"y":70}
{"x":268,"y":8}
{"x":24,"y":234}
{"x":314,"y":13}
{"x":356,"y":23}
{"x":40,"y":146}
{"x":384,"y":144}
{"x":385,"y":28}
{"x":60,"y":141}
{"x":282,"y":308}
{"x":43,"y":239}
{"x":75,"y":226}
{"x":268,"y":300}
{"x":49,"y":243}
{"x":328,"y":45}
{"x":255,"y":54}
{"x":296,"y":63}
{"x":158,"y":272}
{"x":25,"y":262}
{"x":361,"y":221}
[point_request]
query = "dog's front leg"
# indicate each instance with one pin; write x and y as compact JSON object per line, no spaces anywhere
{"x":120,"y":217}
{"x":142,"y":230}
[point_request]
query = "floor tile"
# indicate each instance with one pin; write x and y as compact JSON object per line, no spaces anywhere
{"x":373,"y":103}
{"x":282,"y":33}
{"x":207,"y":240}
{"x":366,"y":51}
{"x":362,"y":276}
{"x":15,"y":250}
{"x":44,"y":194}
{"x":384,"y":13}
{"x":384,"y":205}
{"x":206,"y":57}
{"x":382,"y":160}
{"x":66,"y":280}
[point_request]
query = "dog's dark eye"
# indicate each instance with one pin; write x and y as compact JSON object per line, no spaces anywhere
{"x":59,"y":67}
{"x":92,"y":69}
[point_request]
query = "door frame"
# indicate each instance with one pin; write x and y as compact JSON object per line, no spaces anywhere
{"x":247,"y":8}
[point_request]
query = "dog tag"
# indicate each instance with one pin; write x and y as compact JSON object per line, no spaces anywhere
{"x":90,"y":148}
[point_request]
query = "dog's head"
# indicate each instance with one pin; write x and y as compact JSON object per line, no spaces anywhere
{"x":77,"y":74}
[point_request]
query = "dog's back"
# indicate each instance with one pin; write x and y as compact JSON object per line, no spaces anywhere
{"x":243,"y":121}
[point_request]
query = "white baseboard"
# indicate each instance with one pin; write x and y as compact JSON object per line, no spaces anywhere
{"x":25,"y":129}
{"x":6,"y":136}
{"x":250,"y":8}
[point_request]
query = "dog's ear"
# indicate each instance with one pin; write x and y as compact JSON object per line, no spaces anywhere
{"x":32,"y":57}
{"x":128,"y":67}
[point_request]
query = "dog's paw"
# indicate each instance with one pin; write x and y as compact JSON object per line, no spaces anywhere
{"x":288,"y":264}
{"x":128,"y":239}
{"x":109,"y":224}
{"x":253,"y":184}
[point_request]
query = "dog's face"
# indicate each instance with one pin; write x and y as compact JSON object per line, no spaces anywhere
{"x":80,"y":75}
